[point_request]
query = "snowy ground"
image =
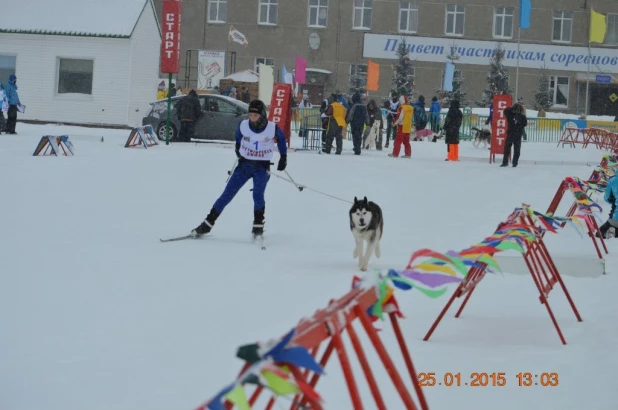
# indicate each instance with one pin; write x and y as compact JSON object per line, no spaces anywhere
{"x":96,"y":314}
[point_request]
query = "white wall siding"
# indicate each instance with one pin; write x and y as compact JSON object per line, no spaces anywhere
{"x":37,"y":72}
{"x":144,"y":67}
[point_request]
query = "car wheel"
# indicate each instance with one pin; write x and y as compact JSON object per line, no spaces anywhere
{"x":161,"y":131}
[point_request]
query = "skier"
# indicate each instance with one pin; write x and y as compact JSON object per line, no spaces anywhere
{"x":255,"y":144}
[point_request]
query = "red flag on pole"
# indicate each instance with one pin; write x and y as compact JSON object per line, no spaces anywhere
{"x":373,"y":76}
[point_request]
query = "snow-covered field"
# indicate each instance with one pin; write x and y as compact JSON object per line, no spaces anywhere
{"x":97,"y":314}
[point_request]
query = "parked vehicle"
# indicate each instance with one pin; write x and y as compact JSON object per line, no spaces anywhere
{"x":219,"y":120}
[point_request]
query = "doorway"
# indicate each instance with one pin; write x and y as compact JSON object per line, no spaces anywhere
{"x":604,"y":99}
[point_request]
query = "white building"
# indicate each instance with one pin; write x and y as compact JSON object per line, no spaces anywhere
{"x":82,"y":61}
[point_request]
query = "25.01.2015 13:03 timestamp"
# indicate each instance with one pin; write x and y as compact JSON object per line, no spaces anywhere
{"x":484,"y":379}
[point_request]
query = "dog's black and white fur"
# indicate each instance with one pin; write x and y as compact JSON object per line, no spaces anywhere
{"x":481,"y":135}
{"x":367,"y":225}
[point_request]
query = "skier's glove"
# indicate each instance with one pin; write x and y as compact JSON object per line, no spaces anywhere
{"x":283,"y":162}
{"x":238,"y":151}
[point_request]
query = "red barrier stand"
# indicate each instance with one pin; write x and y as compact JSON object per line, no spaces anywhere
{"x":326,"y":328}
{"x":541,"y":267}
{"x":593,"y":233}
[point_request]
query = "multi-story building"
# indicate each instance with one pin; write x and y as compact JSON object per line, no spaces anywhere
{"x":334,"y":36}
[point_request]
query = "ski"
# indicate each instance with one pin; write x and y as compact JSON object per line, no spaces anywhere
{"x":179,"y":238}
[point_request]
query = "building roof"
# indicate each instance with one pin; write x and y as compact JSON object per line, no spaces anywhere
{"x":246,"y":76}
{"x":89,"y":18}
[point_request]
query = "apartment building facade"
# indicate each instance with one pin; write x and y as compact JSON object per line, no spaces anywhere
{"x":335,"y":36}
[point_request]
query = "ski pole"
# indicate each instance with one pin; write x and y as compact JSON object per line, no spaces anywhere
{"x":300,"y":188}
{"x":229,"y":173}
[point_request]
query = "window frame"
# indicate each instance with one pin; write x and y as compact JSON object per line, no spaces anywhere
{"x":562,"y":19}
{"x":256,"y":63}
{"x":269,"y":4}
{"x":455,"y":13}
{"x":8,"y":70}
{"x":318,"y":7}
{"x":503,"y":16}
{"x":57,"y":85}
{"x":554,"y":91}
{"x":408,"y":10}
{"x":218,"y":3}
{"x":363,"y":25}
{"x":614,"y":17}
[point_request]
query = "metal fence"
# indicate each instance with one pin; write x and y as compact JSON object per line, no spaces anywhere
{"x":538,"y":129}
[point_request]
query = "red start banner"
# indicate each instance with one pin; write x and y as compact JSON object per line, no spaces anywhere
{"x":499,"y":125}
{"x":170,"y":40}
{"x":281,"y":108}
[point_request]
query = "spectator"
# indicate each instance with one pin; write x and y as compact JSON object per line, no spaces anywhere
{"x":452,"y":123}
{"x":246,"y":97}
{"x":517,"y":122}
{"x":161,"y":91}
{"x":336,"y":113}
{"x":375,"y":115}
{"x":172,"y":91}
{"x":189,"y":111}
{"x":404,"y":128}
{"x":434,"y":115}
{"x":392,"y":106}
{"x":611,"y":192}
{"x":357,"y":118}
{"x":13,"y":100}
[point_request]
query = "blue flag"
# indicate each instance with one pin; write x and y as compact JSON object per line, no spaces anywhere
{"x":525,"y":7}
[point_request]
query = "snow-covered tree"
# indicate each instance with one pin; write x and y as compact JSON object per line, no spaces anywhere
{"x":497,"y":78}
{"x":403,"y":78}
{"x":542,"y":96}
{"x":358,"y":78}
{"x":459,"y":92}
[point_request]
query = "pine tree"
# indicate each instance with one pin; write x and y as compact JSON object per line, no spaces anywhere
{"x":358,"y":79}
{"x":497,"y":78}
{"x":542,"y":96}
{"x":458,"y":93}
{"x":403,"y":80}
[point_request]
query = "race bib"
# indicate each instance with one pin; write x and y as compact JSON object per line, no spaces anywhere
{"x":257,"y":146}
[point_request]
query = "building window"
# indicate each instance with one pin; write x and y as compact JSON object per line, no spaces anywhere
{"x":408,"y":16}
{"x":503,"y":22}
{"x":362,"y":14}
{"x":318,"y":13}
{"x":268,"y":12}
{"x":559,"y":91}
{"x":265,"y":61}
{"x":7,"y":67}
{"x":217,"y":10}
{"x":455,"y":18}
{"x":611,"y":37}
{"x":75,"y":76}
{"x":562,"y":27}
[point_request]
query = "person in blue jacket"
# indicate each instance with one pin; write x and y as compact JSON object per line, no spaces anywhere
{"x":434,"y":115}
{"x":13,"y":98}
{"x":611,"y":193}
{"x":255,"y":145}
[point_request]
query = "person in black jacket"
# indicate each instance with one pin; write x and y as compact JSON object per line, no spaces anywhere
{"x":357,"y":117}
{"x":189,"y":111}
{"x":452,"y":123}
{"x":517,"y":122}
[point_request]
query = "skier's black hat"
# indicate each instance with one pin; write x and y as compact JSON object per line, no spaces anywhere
{"x":257,"y":106}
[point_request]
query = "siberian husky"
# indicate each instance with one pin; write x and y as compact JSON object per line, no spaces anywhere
{"x":367,"y":225}
{"x":481,"y":135}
